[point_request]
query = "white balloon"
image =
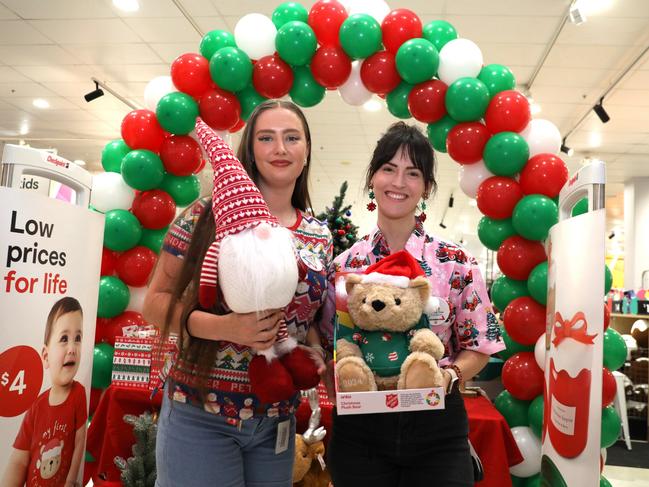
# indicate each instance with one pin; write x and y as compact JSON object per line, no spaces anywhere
{"x":377,"y":9}
{"x":539,"y":352}
{"x":471,"y":177}
{"x":156,"y":89}
{"x":542,"y":136}
{"x":110,"y":192}
{"x":353,"y":90}
{"x":136,"y":303}
{"x":530,"y":447}
{"x":459,"y":58}
{"x":255,"y":35}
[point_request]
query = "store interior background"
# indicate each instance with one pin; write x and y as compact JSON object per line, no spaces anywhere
{"x":49,"y":50}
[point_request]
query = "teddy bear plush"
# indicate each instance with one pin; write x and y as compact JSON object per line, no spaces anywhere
{"x":391,"y":345}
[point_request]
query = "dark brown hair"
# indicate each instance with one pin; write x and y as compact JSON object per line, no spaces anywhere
{"x":199,"y":353}
{"x":401,"y":136}
{"x":61,"y":307}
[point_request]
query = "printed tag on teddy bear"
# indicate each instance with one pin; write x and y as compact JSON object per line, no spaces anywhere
{"x":437,"y":310}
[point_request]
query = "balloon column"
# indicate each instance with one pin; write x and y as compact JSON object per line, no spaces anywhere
{"x":508,"y":161}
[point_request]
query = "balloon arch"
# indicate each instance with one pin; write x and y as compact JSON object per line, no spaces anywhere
{"x":507,"y":161}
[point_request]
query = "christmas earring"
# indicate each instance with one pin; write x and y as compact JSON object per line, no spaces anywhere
{"x":422,"y":215}
{"x":371,"y":206}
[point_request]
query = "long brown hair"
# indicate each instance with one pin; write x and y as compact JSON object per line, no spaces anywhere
{"x":197,"y":353}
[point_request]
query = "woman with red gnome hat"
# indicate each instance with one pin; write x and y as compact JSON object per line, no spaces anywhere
{"x":215,"y":426}
{"x":422,"y":447}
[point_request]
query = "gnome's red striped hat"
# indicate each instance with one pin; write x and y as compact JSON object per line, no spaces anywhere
{"x":236,"y":202}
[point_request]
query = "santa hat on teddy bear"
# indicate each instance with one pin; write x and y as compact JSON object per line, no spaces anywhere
{"x":238,"y":205}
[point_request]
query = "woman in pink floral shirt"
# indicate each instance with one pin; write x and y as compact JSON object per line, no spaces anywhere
{"x":423,"y":447}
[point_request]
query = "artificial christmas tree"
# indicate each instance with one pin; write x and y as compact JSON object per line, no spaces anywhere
{"x":344,"y":232}
{"x":140,"y":469}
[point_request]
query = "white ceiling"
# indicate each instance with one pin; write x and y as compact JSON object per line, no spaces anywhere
{"x":51,"y":49}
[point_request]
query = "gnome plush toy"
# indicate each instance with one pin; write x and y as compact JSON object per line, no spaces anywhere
{"x":253,"y":262}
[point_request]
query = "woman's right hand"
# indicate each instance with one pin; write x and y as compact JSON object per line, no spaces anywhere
{"x":255,"y":330}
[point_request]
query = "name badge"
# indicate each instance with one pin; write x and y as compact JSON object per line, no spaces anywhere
{"x":437,"y":310}
{"x":311,"y":260}
{"x":283,"y":430}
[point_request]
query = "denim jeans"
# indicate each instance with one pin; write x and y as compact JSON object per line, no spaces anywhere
{"x":197,"y":448}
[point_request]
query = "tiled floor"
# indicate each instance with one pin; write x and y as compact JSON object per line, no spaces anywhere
{"x":627,"y":477}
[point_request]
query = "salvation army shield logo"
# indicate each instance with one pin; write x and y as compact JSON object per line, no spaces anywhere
{"x":392,"y":400}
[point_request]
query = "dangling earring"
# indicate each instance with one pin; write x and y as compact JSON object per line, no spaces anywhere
{"x":371,"y":206}
{"x":422,"y":215}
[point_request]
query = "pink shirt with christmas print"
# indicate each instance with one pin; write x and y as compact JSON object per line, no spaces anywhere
{"x":465,"y":319}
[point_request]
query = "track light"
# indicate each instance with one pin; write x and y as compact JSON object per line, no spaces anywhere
{"x":565,"y":149}
{"x":611,"y":235}
{"x":576,"y":14}
{"x":441,"y":224}
{"x":601,"y":112}
{"x":94,"y":94}
{"x":450,"y":201}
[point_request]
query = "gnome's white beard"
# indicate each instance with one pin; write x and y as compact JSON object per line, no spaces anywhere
{"x":257,"y":269}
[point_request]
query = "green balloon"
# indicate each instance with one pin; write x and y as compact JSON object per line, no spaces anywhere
{"x":511,"y":347}
{"x":89,"y":458}
{"x":504,"y":290}
{"x":492,"y":233}
{"x":438,"y":33}
{"x":506,"y":153}
{"x":603,"y":482}
{"x":177,"y":113}
{"x":611,"y":424}
{"x":517,"y":481}
{"x":580,"y":207}
{"x":417,"y":60}
{"x":360,"y":36}
{"x":215,"y":40}
{"x":535,"y":415}
{"x":142,"y":169}
{"x":102,"y":365}
{"x":112,"y":155}
{"x":513,"y":410}
{"x":614,"y":349}
{"x":296,"y":43}
{"x":608,"y":280}
{"x":153,"y":239}
{"x":182,"y":189}
{"x":497,"y":78}
{"x":467,"y":99}
{"x":533,"y":481}
{"x":288,"y":12}
{"x":305,"y":91}
{"x":122,"y":230}
{"x":231,"y":69}
{"x":249,"y":98}
{"x":537,"y":283}
{"x":438,"y":131}
{"x":397,"y":100}
{"x":113,"y":297}
{"x":533,"y":216}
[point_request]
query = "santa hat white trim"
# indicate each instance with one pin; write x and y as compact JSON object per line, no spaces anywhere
{"x":378,"y":278}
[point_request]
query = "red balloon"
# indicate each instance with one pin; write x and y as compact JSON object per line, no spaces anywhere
{"x":190,"y":73}
{"x":497,"y":197}
{"x":607,"y":317}
{"x":524,"y":320}
{"x":180,"y":154}
{"x":237,"y":126}
{"x":426,"y":101}
{"x":399,"y":26}
{"x":155,"y":209}
{"x":108,"y":261}
{"x":544,"y":174}
{"x":379,"y":73}
{"x":609,"y":387}
{"x":517,"y":257}
{"x":101,"y":325}
{"x":325,"y":18}
{"x":272,"y":77}
{"x":201,"y":165}
{"x":508,"y":111}
{"x":141,"y":130}
{"x":135,"y":265}
{"x":219,"y":109}
{"x":95,"y":396}
{"x":522,"y":377}
{"x":330,"y":66}
{"x":465,"y":142}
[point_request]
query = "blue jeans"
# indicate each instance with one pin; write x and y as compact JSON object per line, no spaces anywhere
{"x":197,"y":448}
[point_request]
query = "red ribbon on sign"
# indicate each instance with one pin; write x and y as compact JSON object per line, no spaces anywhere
{"x":566,"y":329}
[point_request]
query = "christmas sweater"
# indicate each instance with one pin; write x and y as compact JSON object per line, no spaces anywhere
{"x":228,"y":387}
{"x":466,"y":320}
{"x":383,"y":351}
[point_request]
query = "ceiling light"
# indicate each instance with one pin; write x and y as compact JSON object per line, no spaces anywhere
{"x":569,"y":151}
{"x":535,"y":108}
{"x":372,"y":105}
{"x":591,"y":7}
{"x":576,"y":14}
{"x":94,"y":94}
{"x":473,"y":203}
{"x":595,"y":139}
{"x":127,"y":5}
{"x":41,"y":103}
{"x":601,"y":112}
{"x":24,"y":128}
